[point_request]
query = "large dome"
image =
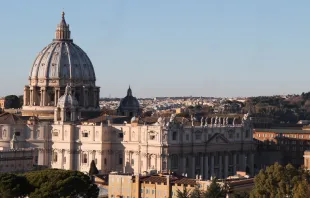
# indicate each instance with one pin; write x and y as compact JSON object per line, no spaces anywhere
{"x":59,"y":64}
{"x":63,"y":61}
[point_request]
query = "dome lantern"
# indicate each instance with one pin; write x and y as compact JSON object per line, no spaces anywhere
{"x":62,"y":30}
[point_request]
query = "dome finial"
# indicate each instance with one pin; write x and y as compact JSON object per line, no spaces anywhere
{"x":129,"y":92}
{"x":63,"y":31}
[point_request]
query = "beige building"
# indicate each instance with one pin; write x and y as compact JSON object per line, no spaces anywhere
{"x":16,"y":160}
{"x":166,"y":185}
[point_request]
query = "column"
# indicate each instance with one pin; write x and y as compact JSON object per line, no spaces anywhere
{"x":26,"y":96}
{"x":220,"y":166}
{"x":44,"y":97}
{"x":226,"y":165}
{"x":201,"y":166}
{"x":34,"y":96}
{"x":41,"y":96}
{"x":206,"y":167}
{"x":212,"y":165}
{"x":251,"y":164}
{"x":242,"y":162}
{"x":193,"y":167}
{"x":85,"y":97}
{"x":184,"y":164}
{"x":31,"y":98}
{"x":234,"y":163}
{"x":56,"y":96}
{"x":147,"y":162}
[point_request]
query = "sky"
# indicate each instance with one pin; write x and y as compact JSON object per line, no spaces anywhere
{"x":167,"y":48}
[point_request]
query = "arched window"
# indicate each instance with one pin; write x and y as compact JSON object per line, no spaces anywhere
{"x":68,"y":116}
{"x":174,"y":135}
{"x":85,"y":158}
{"x":174,"y":161}
{"x":55,"y":156}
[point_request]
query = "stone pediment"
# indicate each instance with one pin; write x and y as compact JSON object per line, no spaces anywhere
{"x":218,"y":139}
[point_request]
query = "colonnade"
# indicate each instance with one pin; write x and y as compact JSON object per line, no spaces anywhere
{"x":44,"y":96}
{"x":219,"y":164}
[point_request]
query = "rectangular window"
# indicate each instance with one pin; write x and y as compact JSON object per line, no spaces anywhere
{"x":153,"y":192}
{"x":55,"y":133}
{"x":120,"y":159}
{"x":64,"y":160}
{"x":147,"y":191}
{"x":187,"y":137}
{"x":17,"y":133}
{"x":85,"y":134}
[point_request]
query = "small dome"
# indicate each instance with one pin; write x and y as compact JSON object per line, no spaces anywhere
{"x":129,"y":101}
{"x":68,"y":100}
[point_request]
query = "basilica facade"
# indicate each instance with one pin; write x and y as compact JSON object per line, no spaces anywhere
{"x":62,"y":92}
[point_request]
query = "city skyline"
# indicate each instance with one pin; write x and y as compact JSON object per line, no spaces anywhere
{"x":168,"y":48}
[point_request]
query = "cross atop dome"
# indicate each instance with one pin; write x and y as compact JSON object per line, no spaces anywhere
{"x":129,"y":92}
{"x":62,"y":30}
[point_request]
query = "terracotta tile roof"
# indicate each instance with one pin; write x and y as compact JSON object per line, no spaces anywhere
{"x":185,"y":181}
{"x":154,"y":179}
{"x":9,"y":118}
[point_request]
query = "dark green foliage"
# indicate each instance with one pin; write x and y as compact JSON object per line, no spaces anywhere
{"x":183,"y":194}
{"x":51,"y":183}
{"x":196,"y":193}
{"x":240,"y":195}
{"x":280,"y":181}
{"x":215,"y":190}
{"x":47,"y":183}
{"x":12,"y":185}
{"x":93,"y":169}
{"x":12,"y":101}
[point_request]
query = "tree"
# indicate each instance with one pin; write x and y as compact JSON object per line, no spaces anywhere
{"x":215,"y":190}
{"x":183,"y":194}
{"x":12,"y":101}
{"x":12,"y":185}
{"x":93,"y":169}
{"x":50,"y":183}
{"x":240,"y":195}
{"x":281,"y":181}
{"x":196,"y":193}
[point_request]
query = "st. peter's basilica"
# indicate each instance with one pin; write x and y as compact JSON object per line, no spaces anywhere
{"x":61,"y":121}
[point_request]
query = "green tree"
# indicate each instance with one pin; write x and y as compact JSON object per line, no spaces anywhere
{"x":281,"y":181}
{"x":93,"y":169}
{"x":183,"y":194}
{"x":12,"y":101}
{"x":240,"y":195}
{"x":215,"y":190}
{"x":12,"y":185}
{"x":50,"y":183}
{"x":196,"y":193}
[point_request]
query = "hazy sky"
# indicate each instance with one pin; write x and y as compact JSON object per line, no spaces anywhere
{"x":167,"y":47}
